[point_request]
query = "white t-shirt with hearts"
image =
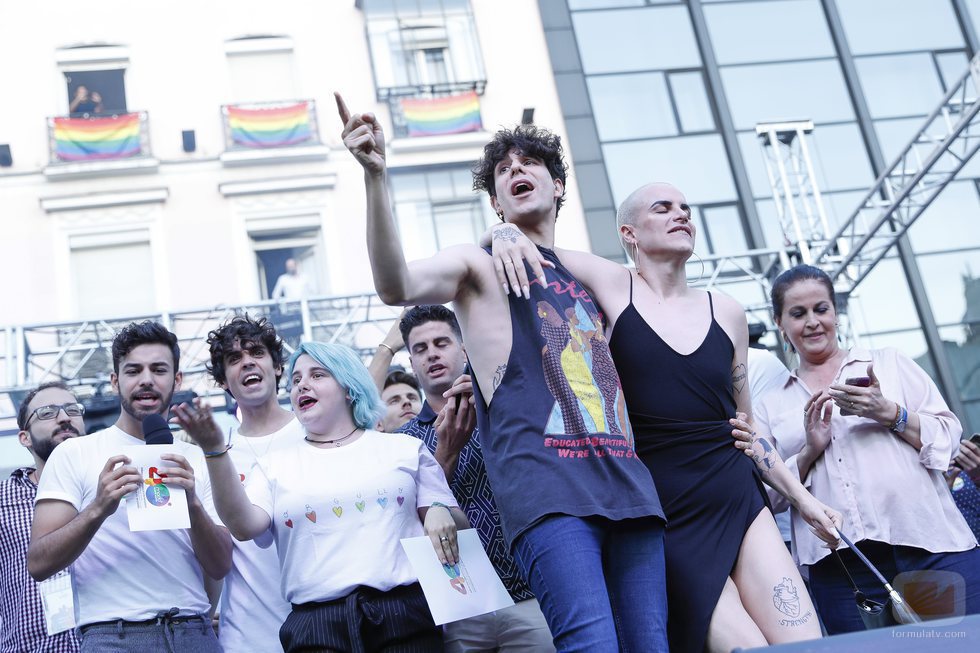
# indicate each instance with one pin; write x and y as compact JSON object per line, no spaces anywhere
{"x":338,"y":514}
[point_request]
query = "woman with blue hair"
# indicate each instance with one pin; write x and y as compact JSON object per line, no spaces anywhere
{"x":338,"y":506}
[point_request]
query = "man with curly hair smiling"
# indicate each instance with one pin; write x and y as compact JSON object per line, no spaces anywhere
{"x":578,"y":509}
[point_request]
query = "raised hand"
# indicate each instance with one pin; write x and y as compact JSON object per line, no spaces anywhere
{"x":511,"y":249}
{"x":864,"y":401}
{"x":817,"y":413}
{"x":197,"y":422}
{"x":364,"y":138}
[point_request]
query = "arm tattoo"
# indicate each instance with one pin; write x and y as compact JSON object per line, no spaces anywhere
{"x":738,"y":377}
{"x":498,"y":376}
{"x":508,"y":233}
{"x":763,"y":454}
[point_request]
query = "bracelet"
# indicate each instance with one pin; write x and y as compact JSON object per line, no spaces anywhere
{"x":215,"y":454}
{"x":901,"y":422}
{"x":439,"y":504}
{"x":385,"y":345}
{"x":898,"y":413}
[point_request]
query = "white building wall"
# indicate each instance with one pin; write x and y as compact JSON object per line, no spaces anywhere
{"x":178,"y":72}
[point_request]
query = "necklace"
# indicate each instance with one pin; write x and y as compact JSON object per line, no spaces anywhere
{"x":335,"y":442}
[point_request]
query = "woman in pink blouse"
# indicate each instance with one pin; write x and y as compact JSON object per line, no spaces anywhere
{"x":868,"y":432}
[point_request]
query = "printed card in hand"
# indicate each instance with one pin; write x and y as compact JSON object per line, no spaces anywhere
{"x":467,"y":589}
{"x":155,"y":506}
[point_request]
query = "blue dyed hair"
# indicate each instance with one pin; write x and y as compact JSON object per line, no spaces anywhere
{"x":348,"y":370}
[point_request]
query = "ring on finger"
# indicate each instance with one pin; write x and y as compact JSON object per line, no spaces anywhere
{"x":443,"y":538}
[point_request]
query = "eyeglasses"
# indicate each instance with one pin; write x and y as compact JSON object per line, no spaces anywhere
{"x":51,"y":411}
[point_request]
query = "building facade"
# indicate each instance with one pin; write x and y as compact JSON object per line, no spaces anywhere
{"x":213,"y":152}
{"x":673,"y":90}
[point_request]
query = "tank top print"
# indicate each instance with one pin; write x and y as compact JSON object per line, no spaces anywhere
{"x":556,"y":436}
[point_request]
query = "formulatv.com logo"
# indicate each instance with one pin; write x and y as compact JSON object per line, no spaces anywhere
{"x":933,"y":594}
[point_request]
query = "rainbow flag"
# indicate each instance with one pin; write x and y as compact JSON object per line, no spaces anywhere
{"x":273,"y":127}
{"x":454,"y":114}
{"x":90,"y":139}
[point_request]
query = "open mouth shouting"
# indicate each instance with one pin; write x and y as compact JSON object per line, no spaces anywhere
{"x":521,"y":187}
{"x":305,"y":402}
{"x":146,"y":399}
{"x":251,"y":380}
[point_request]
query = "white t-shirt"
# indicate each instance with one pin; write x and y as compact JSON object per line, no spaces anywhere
{"x":122,"y":574}
{"x":252,"y":606}
{"x":338,"y":514}
{"x":291,"y":286}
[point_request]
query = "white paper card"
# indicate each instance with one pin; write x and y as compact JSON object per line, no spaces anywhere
{"x":57,"y":602}
{"x":469,"y":588}
{"x":156,"y":506}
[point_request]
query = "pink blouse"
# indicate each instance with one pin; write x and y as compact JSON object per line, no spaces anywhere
{"x":886,"y":490}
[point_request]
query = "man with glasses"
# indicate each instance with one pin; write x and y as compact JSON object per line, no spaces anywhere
{"x":48,"y":416}
{"x":133,"y":590}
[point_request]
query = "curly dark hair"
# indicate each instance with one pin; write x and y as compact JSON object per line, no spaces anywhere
{"x":419,"y":315}
{"x":793,"y":276}
{"x":529,"y":141}
{"x":22,"y":410}
{"x":147,"y":332}
{"x":244,"y":329}
{"x":401,"y":376}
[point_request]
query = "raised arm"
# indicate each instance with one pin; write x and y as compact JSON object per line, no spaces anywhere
{"x":60,"y":533}
{"x":435,"y":280}
{"x":244,"y":519}
{"x":211,"y":542}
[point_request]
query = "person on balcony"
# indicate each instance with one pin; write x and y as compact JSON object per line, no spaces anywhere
{"x":85,"y":103}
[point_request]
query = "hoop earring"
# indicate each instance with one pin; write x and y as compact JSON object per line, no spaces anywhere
{"x":701,"y":274}
{"x":635,"y":255}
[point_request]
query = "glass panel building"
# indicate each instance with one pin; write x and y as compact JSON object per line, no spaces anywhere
{"x":672,"y":90}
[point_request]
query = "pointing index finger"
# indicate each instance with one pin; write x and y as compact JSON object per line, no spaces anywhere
{"x":342,"y":108}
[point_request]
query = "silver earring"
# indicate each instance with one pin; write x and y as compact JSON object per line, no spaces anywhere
{"x":701,"y":274}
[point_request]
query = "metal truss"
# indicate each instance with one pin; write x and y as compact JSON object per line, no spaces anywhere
{"x":938,"y":151}
{"x":79,"y":353}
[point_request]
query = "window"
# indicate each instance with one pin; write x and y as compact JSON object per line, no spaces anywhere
{"x":813,"y":90}
{"x":768,"y":31}
{"x":423,"y":45}
{"x":673,"y":103}
{"x":94,"y":79}
{"x":649,"y":38}
{"x":697,"y":165}
{"x":874,"y":26}
{"x":274,"y":244}
{"x":436,"y":208}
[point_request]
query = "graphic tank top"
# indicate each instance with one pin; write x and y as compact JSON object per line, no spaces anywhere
{"x":556,"y":437}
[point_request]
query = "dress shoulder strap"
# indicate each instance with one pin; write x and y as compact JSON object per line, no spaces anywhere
{"x":631,"y":284}
{"x":711,"y":305}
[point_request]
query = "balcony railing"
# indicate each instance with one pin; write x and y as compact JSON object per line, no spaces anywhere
{"x":98,"y":141}
{"x":435,"y":114}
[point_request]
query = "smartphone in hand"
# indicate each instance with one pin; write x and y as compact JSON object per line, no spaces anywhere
{"x":860,"y":381}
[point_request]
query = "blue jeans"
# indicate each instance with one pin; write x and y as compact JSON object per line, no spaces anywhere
{"x":600,"y":583}
{"x":834,"y":595}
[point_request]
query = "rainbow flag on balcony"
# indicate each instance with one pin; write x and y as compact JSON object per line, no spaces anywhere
{"x":91,"y":139}
{"x":273,"y":127}
{"x":454,"y":114}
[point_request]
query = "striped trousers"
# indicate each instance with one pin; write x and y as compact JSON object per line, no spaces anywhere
{"x":364,"y":621}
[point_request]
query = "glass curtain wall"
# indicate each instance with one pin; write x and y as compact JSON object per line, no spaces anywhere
{"x":658,"y":118}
